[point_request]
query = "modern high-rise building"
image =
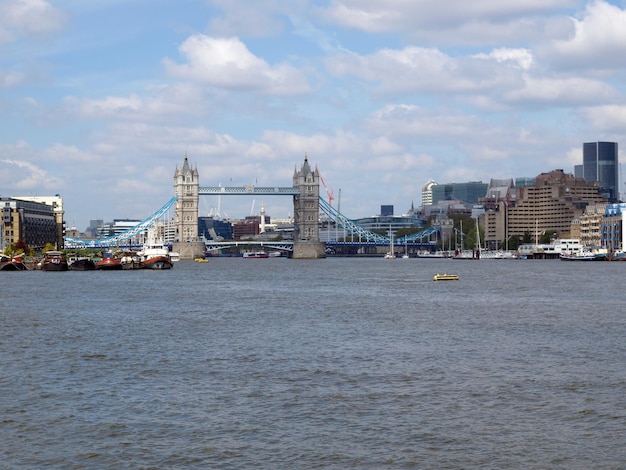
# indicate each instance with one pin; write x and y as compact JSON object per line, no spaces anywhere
{"x":427,"y":192}
{"x":466,"y":192}
{"x":600,"y":164}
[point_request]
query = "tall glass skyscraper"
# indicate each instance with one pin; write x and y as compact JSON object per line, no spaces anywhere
{"x":600,"y":164}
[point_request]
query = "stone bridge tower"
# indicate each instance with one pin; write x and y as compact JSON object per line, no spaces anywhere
{"x":306,"y":211}
{"x":186,"y":184}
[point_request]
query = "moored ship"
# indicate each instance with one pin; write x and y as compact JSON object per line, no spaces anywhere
{"x":54,"y":261}
{"x":155,"y":255}
{"x":109,"y":262}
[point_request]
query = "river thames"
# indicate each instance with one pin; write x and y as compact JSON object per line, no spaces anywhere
{"x":336,"y":363}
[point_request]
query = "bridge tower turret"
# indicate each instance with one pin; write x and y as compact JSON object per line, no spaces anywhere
{"x":186,"y":184}
{"x":306,"y":213}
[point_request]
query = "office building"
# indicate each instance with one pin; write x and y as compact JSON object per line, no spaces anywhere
{"x":600,"y":163}
{"x":386,"y":210}
{"x":466,"y":192}
{"x":551,"y":203}
{"x":31,"y":222}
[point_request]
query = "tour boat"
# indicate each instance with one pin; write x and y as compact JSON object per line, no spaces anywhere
{"x":255,"y":254}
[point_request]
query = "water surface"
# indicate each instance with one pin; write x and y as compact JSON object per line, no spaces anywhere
{"x":336,"y":363}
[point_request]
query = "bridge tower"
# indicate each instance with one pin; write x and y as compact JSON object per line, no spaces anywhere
{"x":306,"y":212}
{"x":186,"y":186}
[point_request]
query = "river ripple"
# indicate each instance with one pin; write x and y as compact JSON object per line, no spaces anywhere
{"x":336,"y":363}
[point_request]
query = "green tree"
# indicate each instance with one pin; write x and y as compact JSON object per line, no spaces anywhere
{"x":547,"y":236}
{"x":49,"y":247}
{"x":514,"y":243}
{"x":471,"y":238}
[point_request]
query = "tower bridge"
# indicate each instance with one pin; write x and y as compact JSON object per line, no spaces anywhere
{"x":307,"y":204}
{"x":304,"y":191}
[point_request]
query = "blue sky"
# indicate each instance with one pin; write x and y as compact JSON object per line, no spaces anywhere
{"x":101,"y":100}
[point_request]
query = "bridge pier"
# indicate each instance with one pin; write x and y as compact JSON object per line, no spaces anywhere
{"x":189,"y":250}
{"x":308,"y":250}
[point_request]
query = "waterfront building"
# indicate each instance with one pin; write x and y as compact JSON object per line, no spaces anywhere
{"x":56,"y":202}
{"x":466,"y":192}
{"x":600,"y":163}
{"x":500,"y":195}
{"x":111,"y":229}
{"x":211,"y":228}
{"x":34,"y":223}
{"x":613,"y":228}
{"x":553,"y":201}
{"x":588,"y":227}
{"x":390,"y":222}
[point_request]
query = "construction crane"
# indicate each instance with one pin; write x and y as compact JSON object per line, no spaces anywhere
{"x":328,"y":193}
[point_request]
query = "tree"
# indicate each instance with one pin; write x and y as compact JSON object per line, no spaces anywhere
{"x":547,"y":236}
{"x":471,"y":238}
{"x":514,"y":243}
{"x":49,"y":247}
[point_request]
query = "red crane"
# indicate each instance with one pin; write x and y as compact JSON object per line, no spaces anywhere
{"x":329,"y":193}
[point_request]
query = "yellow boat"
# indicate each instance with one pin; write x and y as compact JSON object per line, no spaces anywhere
{"x":445,"y":277}
{"x":201,"y":260}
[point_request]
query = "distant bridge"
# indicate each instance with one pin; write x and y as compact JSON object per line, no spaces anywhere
{"x":351,"y":229}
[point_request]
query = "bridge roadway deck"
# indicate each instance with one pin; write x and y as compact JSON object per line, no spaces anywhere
{"x":287,"y":245}
{"x":249,"y":190}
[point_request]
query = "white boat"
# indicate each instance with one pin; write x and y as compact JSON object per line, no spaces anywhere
{"x":154,"y":255}
{"x":586,"y":254}
{"x":255,"y":254}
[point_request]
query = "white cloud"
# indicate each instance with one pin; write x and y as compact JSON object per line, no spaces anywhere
{"x":26,"y":177}
{"x":29,"y":18}
{"x":521,"y":58}
{"x":598,"y":40}
{"x":430,"y":70}
{"x":11,"y":78}
{"x":227,"y":63}
{"x":562,"y":92}
{"x":608,"y":118}
{"x":448,"y":21}
{"x":258,"y":18}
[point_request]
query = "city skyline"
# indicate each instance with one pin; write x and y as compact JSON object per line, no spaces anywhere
{"x":102,"y":100}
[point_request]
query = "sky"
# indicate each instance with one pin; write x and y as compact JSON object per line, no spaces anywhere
{"x":101,"y":100}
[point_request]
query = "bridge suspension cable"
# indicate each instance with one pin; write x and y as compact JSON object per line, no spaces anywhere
{"x":365,"y":235}
{"x":125,"y":235}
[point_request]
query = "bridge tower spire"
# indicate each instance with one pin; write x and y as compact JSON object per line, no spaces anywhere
{"x":306,"y":212}
{"x":186,"y":184}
